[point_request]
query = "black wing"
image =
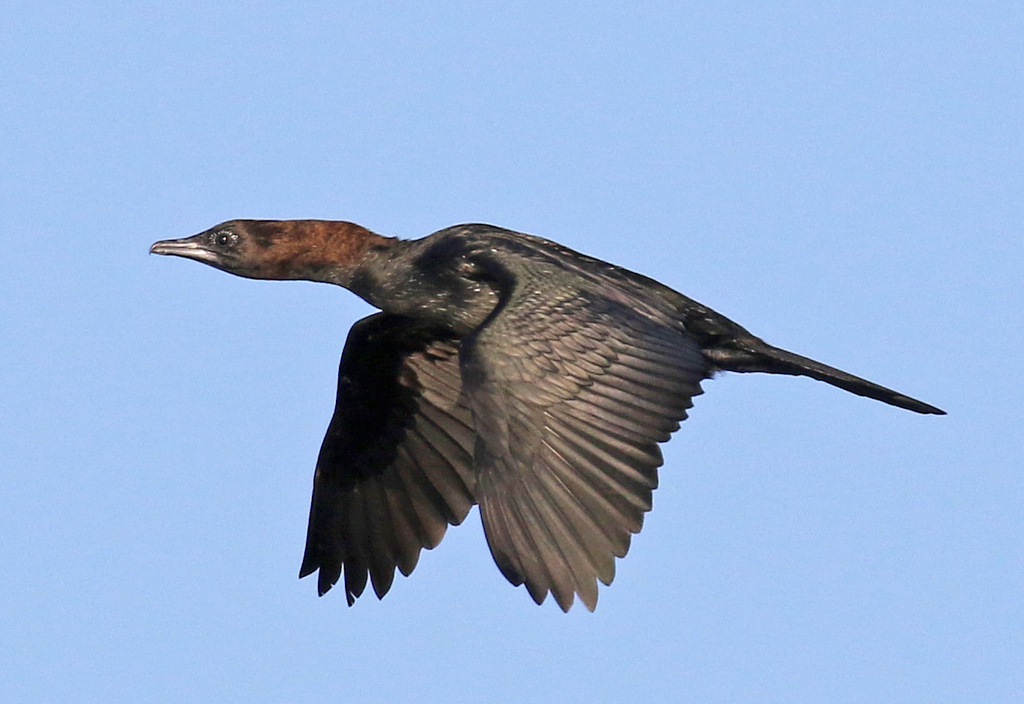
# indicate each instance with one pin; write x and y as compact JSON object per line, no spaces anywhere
{"x":395,"y":467}
{"x":572,"y":390}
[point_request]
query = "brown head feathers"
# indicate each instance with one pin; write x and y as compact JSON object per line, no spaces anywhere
{"x":315,"y":250}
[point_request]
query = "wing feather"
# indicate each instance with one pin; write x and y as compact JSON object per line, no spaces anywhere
{"x":395,"y":468}
{"x":571,"y":393}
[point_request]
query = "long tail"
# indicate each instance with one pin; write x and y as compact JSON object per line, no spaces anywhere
{"x":754,"y":355}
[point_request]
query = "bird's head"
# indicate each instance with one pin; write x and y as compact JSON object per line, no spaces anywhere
{"x":313,"y":250}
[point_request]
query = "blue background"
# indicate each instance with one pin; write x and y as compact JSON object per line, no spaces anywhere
{"x":844,"y":179}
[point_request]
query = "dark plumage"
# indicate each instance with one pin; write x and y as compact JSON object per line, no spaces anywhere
{"x":504,"y":370}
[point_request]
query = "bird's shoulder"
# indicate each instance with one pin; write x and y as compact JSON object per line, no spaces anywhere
{"x":533,"y":266}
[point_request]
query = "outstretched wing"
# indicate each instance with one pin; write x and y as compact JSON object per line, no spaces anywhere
{"x":395,"y":467}
{"x":572,"y":389}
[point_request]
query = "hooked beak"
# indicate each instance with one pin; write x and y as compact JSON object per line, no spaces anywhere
{"x":188,"y":247}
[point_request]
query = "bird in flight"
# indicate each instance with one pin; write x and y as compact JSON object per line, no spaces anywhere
{"x":503,"y":370}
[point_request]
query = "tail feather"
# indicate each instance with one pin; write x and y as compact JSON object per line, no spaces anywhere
{"x":755,"y":355}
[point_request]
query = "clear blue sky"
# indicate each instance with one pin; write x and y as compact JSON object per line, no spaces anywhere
{"x":844,"y":179}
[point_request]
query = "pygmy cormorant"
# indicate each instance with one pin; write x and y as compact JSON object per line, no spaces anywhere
{"x":503,"y":370}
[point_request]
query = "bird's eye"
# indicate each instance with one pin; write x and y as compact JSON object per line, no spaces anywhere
{"x":223,"y":239}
